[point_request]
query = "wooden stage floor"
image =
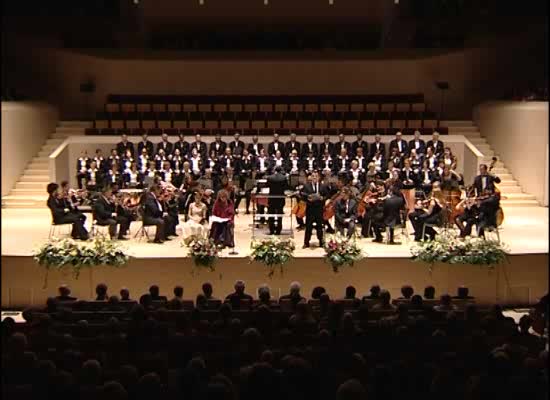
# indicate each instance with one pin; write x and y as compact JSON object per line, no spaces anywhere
{"x":525,"y":231}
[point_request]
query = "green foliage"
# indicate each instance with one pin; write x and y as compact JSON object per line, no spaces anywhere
{"x":340,"y":252}
{"x":204,"y":252}
{"x":273,"y":252}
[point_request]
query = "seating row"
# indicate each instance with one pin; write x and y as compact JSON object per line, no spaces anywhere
{"x":260,"y":132}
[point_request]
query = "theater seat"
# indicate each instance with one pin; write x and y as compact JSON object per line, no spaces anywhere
{"x":320,"y":120}
{"x":211,"y":120}
{"x":148,"y":120}
{"x":160,"y":107}
{"x":180,"y":120}
{"x":402,"y":107}
{"x":382,"y":119}
{"x":112,"y":107}
{"x":273,"y":120}
{"x":351,"y":120}
{"x":164,"y":120}
{"x":357,"y":107}
{"x":418,"y":107}
{"x":195,"y":120}
{"x":91,"y":131}
{"x":366,"y":119}
{"x":387,"y":107}
{"x":242,"y":120}
{"x":398,"y":120}
{"x":117,"y":120}
{"x":227,"y":120}
{"x":132,"y":120}
{"x":257,"y":120}
{"x":305,"y":120}
{"x":289,"y":120}
{"x":414,"y":119}
{"x":101,"y":120}
{"x":336,"y":120}
{"x":429,"y":119}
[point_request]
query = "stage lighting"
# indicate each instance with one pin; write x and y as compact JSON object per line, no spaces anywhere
{"x":331,"y":2}
{"x":201,"y":2}
{"x":266,"y":2}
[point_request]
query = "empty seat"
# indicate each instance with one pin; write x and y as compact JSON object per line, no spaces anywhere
{"x":419,"y":107}
{"x":296,"y":107}
{"x":336,"y":120}
{"x":123,"y":131}
{"x":112,"y":107}
{"x":273,"y":120}
{"x":132,"y":120}
{"x":219,"y":108}
{"x":312,"y":107}
{"x":235,"y":107}
{"x":414,"y":119}
{"x":429,"y":119}
{"x":174,"y":107}
{"x":326,"y":107}
{"x":266,"y":132}
{"x":357,"y":107}
{"x":387,"y":107}
{"x":186,"y":131}
{"x":117,"y":120}
{"x":138,"y":131}
{"x":211,"y":120}
{"x":403,"y":107}
{"x":164,"y":120}
{"x":143,"y":108}
{"x":280,"y":107}
{"x":227,"y":120}
{"x":398,"y":120}
{"x":173,"y":131}
{"x":351,"y":120}
{"x":242,"y":120}
{"x":195,"y":120}
{"x":289,"y":120}
{"x":101,"y":120}
{"x":305,"y":120}
{"x":257,"y":120}
{"x":426,"y":131}
{"x":366,"y":119}
{"x":91,"y":131}
{"x":250,"y":132}
{"x":204,"y":108}
{"x":148,"y":120}
{"x":382,"y":119}
{"x":346,"y":131}
{"x":341,"y":107}
{"x":443,"y":130}
{"x":108,"y":131}
{"x":373,"y":107}
{"x":189,"y":107}
{"x":154,"y":131}
{"x":180,"y":120}
{"x":251,"y":107}
{"x":161,"y":107}
{"x":320,"y":120}
{"x":265,"y":108}
{"x":127,"y":108}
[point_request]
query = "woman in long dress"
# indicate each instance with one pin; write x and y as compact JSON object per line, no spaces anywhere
{"x":195,"y":224}
{"x":222,"y":232}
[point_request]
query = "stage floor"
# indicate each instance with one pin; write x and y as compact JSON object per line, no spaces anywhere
{"x":524,"y":231}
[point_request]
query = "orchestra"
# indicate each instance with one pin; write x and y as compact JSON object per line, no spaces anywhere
{"x":354,"y":183}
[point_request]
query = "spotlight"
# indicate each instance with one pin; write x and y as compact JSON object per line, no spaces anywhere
{"x":266,"y":2}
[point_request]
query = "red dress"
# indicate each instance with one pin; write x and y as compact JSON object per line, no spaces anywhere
{"x":222,"y":232}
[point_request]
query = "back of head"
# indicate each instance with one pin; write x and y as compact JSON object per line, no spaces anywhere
{"x":429,"y":292}
{"x":385,"y":296}
{"x":407,"y":291}
{"x":207,"y":289}
{"x":351,"y":390}
{"x":124,"y":294}
{"x":375,"y":290}
{"x":463,"y":292}
{"x":350,"y":292}
{"x":317,"y":292}
{"x":113,"y":390}
{"x":52,"y":188}
{"x":416,"y":301}
{"x":239,"y":286}
{"x":295,"y":288}
{"x":445,"y":299}
{"x":101,"y":290}
{"x":154,"y":291}
{"x":178,"y":291}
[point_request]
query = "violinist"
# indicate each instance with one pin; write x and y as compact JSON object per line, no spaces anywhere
{"x":104,"y":212}
{"x":72,"y":199}
{"x":170,"y":206}
{"x":82,"y":165}
{"x":62,"y":215}
{"x":314,"y":194}
{"x":469,"y":216}
{"x":126,"y":207}
{"x":345,"y":213}
{"x":429,"y":215}
{"x":485,"y":181}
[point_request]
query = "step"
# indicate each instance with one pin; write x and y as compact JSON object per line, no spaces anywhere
{"x":44,"y":153}
{"x":506,"y":190}
{"x":488,"y":160}
{"x":29,"y":192}
{"x":50,"y":148}
{"x":39,"y":165}
{"x":54,"y":141}
{"x":520,"y":196}
{"x":59,"y":136}
{"x":26,"y":197}
{"x":31,"y":185}
{"x":478,"y":140}
{"x":472,"y":128}
{"x":36,"y":171}
{"x":500,"y":171}
{"x":70,"y":130}
{"x":505,"y":180}
{"x":80,"y":124}
{"x":41,"y":159}
{"x":519,"y":203}
{"x":457,"y":123}
{"x":34,"y":178}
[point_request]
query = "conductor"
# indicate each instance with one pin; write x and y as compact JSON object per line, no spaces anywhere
{"x":314,"y":194}
{"x":277,"y":185}
{"x":392,"y":207}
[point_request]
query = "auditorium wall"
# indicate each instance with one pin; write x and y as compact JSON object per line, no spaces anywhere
{"x":25,"y":128}
{"x":518,"y":132}
{"x":475,"y":74}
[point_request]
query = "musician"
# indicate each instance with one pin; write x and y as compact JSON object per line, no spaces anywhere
{"x":177,"y":160}
{"x":62,"y":214}
{"x":377,"y":147}
{"x":126,"y":208}
{"x":314,"y":194}
{"x":292,"y":145}
{"x":310,"y":162}
{"x":143,"y":160}
{"x":199,"y":146}
{"x":164,"y":145}
{"x":182,"y":145}
{"x":94,"y":177}
{"x":431,"y":215}
{"x":436,"y":144}
{"x":277,"y":184}
{"x":125,"y":145}
{"x":469,"y":216}
{"x":431,"y":158}
{"x":237,"y":146}
{"x":361,"y":159}
{"x":195,"y":162}
{"x":277,"y":161}
{"x":342,"y":161}
{"x":326,"y":164}
{"x":449,"y":179}
{"x":399,"y":144}
{"x":170,"y":206}
{"x":394,"y":183}
{"x":245,"y":167}
{"x":71,"y":201}
{"x":345,"y":213}
{"x":485,"y":181}
{"x":373,"y":208}
{"x":263,"y":163}
{"x":449,"y":159}
{"x":275,"y":146}
{"x":145,"y":144}
{"x":379,"y":162}
{"x":154,"y":214}
{"x":218,"y":146}
{"x":104,"y":210}
{"x":82,"y":166}
{"x":294,"y":164}
{"x":392,"y":206}
{"x":488,"y":206}
{"x":341,"y":145}
{"x":359,"y":144}
{"x":356,"y":177}
{"x":223,"y":232}
{"x":417,"y":144}
{"x":132,"y":178}
{"x":227,"y":160}
{"x":100,"y":161}
{"x":326,"y":145}
{"x":309,"y":147}
{"x":196,"y":225}
{"x":254,"y":148}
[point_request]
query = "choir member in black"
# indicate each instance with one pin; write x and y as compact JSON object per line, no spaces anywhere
{"x":426,"y":177}
{"x":379,"y":162}
{"x":488,"y":207}
{"x":160,"y":158}
{"x":310,"y":163}
{"x":132,"y":178}
{"x":200,"y":146}
{"x":237,"y":146}
{"x":436,"y":145}
{"x":326,"y":163}
{"x":292,"y":145}
{"x":146,"y":144}
{"x":356,"y":177}
{"x":124,"y":145}
{"x":71,"y":201}
{"x":114,"y":159}
{"x":277,"y":161}
{"x":394,"y":181}
{"x":177,"y":160}
{"x":326,"y":145}
{"x":227,"y":160}
{"x":309,"y":147}
{"x":377,"y":146}
{"x":94,"y":178}
{"x":149,"y":175}
{"x":170,"y":206}
{"x":341,"y":145}
{"x":167,"y":173}
{"x":255,"y":147}
{"x":195,"y":162}
{"x":359,"y":144}
{"x":154,"y":214}
{"x":433,"y":162}
{"x":245,"y":167}
{"x":407,"y":176}
{"x":275,"y":146}
{"x":294,"y":164}
{"x":345,"y":213}
{"x":164,"y":145}
{"x":469,"y":216}
{"x":371,"y":175}
{"x":98,"y":158}
{"x":113,"y":176}
{"x":263,"y":163}
{"x":484,"y":181}
{"x":218,"y":146}
{"x":82,"y":165}
{"x":387,"y":173}
{"x":277,"y":184}
{"x":127,"y":160}
{"x":392,"y":206}
{"x":62,"y":214}
{"x":143,"y":160}
{"x":415,"y":160}
{"x":396,"y":157}
{"x":399,"y":143}
{"x":342,"y":161}
{"x":104,"y":210}
{"x":417,"y":144}
{"x":314,"y":194}
{"x":230,"y":183}
{"x":362,"y":161}
{"x":432,"y":215}
{"x":182,"y":145}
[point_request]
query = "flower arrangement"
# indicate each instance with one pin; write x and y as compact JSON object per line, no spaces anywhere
{"x":203,"y":250}
{"x":340,"y":251}
{"x":66,"y":253}
{"x":273,"y":252}
{"x":449,"y":248}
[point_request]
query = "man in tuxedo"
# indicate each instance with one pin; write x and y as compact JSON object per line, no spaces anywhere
{"x":275,"y":146}
{"x":200,"y":146}
{"x":399,"y":144}
{"x":255,"y":147}
{"x":314,"y":194}
{"x":104,"y":211}
{"x":165,"y":145}
{"x":345,"y":213}
{"x":147,"y":144}
{"x":484,"y":181}
{"x":392,"y":208}
{"x":63,"y":215}
{"x":182,"y":146}
{"x":488,"y":209}
{"x":418,"y":144}
{"x":309,"y":147}
{"x":362,"y":162}
{"x":277,"y":185}
{"x":124,"y":145}
{"x":436,"y":144}
{"x":82,"y":166}
{"x":292,"y":144}
{"x":341,"y":145}
{"x":377,"y":146}
{"x":153,"y":214}
{"x":359,"y":143}
{"x":237,"y":146}
{"x":326,"y":145}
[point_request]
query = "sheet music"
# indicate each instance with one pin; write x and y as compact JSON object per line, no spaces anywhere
{"x":213,"y":218}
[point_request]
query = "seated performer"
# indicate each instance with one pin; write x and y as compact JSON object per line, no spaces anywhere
{"x":432,"y":215}
{"x":82,"y":165}
{"x":314,"y":194}
{"x":62,"y":214}
{"x":195,"y":226}
{"x":345,"y":213}
{"x":104,"y":210}
{"x":222,"y":232}
{"x":153,"y":214}
{"x":469,"y":216}
{"x":488,"y":207}
{"x":277,"y":185}
{"x":484,"y":181}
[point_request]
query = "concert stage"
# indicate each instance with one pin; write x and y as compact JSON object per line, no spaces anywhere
{"x":524,"y":280}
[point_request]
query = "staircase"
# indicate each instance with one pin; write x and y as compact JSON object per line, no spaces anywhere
{"x":30,"y":189}
{"x":512,"y":193}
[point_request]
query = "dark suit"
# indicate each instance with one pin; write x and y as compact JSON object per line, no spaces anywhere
{"x":82,"y":166}
{"x":412,"y":176}
{"x":277,"y":185}
{"x":166,"y":146}
{"x":421,"y":180}
{"x":342,"y":145}
{"x":62,"y":215}
{"x":314,"y":211}
{"x":307,"y":147}
{"x":341,"y":213}
{"x":326,"y":164}
{"x":392,"y":207}
{"x":329,"y":146}
{"x":490,"y":183}
{"x":377,"y":147}
{"x":438,"y":148}
{"x":355,"y":145}
{"x":487,"y":214}
{"x":103,"y":213}
{"x":201,"y":148}
{"x":271,"y":148}
{"x":237,"y":145}
{"x":121,"y":148}
{"x":218,"y":147}
{"x":252,"y":150}
{"x":404,"y":147}
{"x":306,"y":163}
{"x":421,"y":146}
{"x":342,"y":164}
{"x":289,"y":146}
{"x":147,"y":145}
{"x":153,"y":215}
{"x":183,"y":147}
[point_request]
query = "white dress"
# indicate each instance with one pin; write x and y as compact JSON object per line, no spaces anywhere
{"x":193,"y":226}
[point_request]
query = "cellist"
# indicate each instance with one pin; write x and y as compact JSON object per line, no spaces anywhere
{"x":468,"y":212}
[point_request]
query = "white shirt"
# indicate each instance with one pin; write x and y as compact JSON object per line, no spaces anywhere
{"x":294,"y":165}
{"x":310,"y":163}
{"x":82,"y":164}
{"x":400,"y":146}
{"x":416,"y":144}
{"x":158,"y":203}
{"x":168,"y":176}
{"x":427,"y":176}
{"x":483,"y":182}
{"x":92,"y":175}
{"x":228,"y":162}
{"x":278,"y":162}
{"x":195,"y":163}
{"x":133,"y":176}
{"x":262,"y":164}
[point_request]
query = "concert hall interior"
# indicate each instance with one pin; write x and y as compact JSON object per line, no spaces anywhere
{"x":169,"y":148}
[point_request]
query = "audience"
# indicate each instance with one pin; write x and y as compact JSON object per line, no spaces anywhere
{"x":429,"y":293}
{"x":101,"y":292}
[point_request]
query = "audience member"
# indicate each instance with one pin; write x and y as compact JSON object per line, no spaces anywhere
{"x":385,"y":301}
{"x":406,"y":292}
{"x":101,"y":292}
{"x":124,"y":294}
{"x":445,"y":304}
{"x":65,"y":294}
{"x":429,"y":293}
